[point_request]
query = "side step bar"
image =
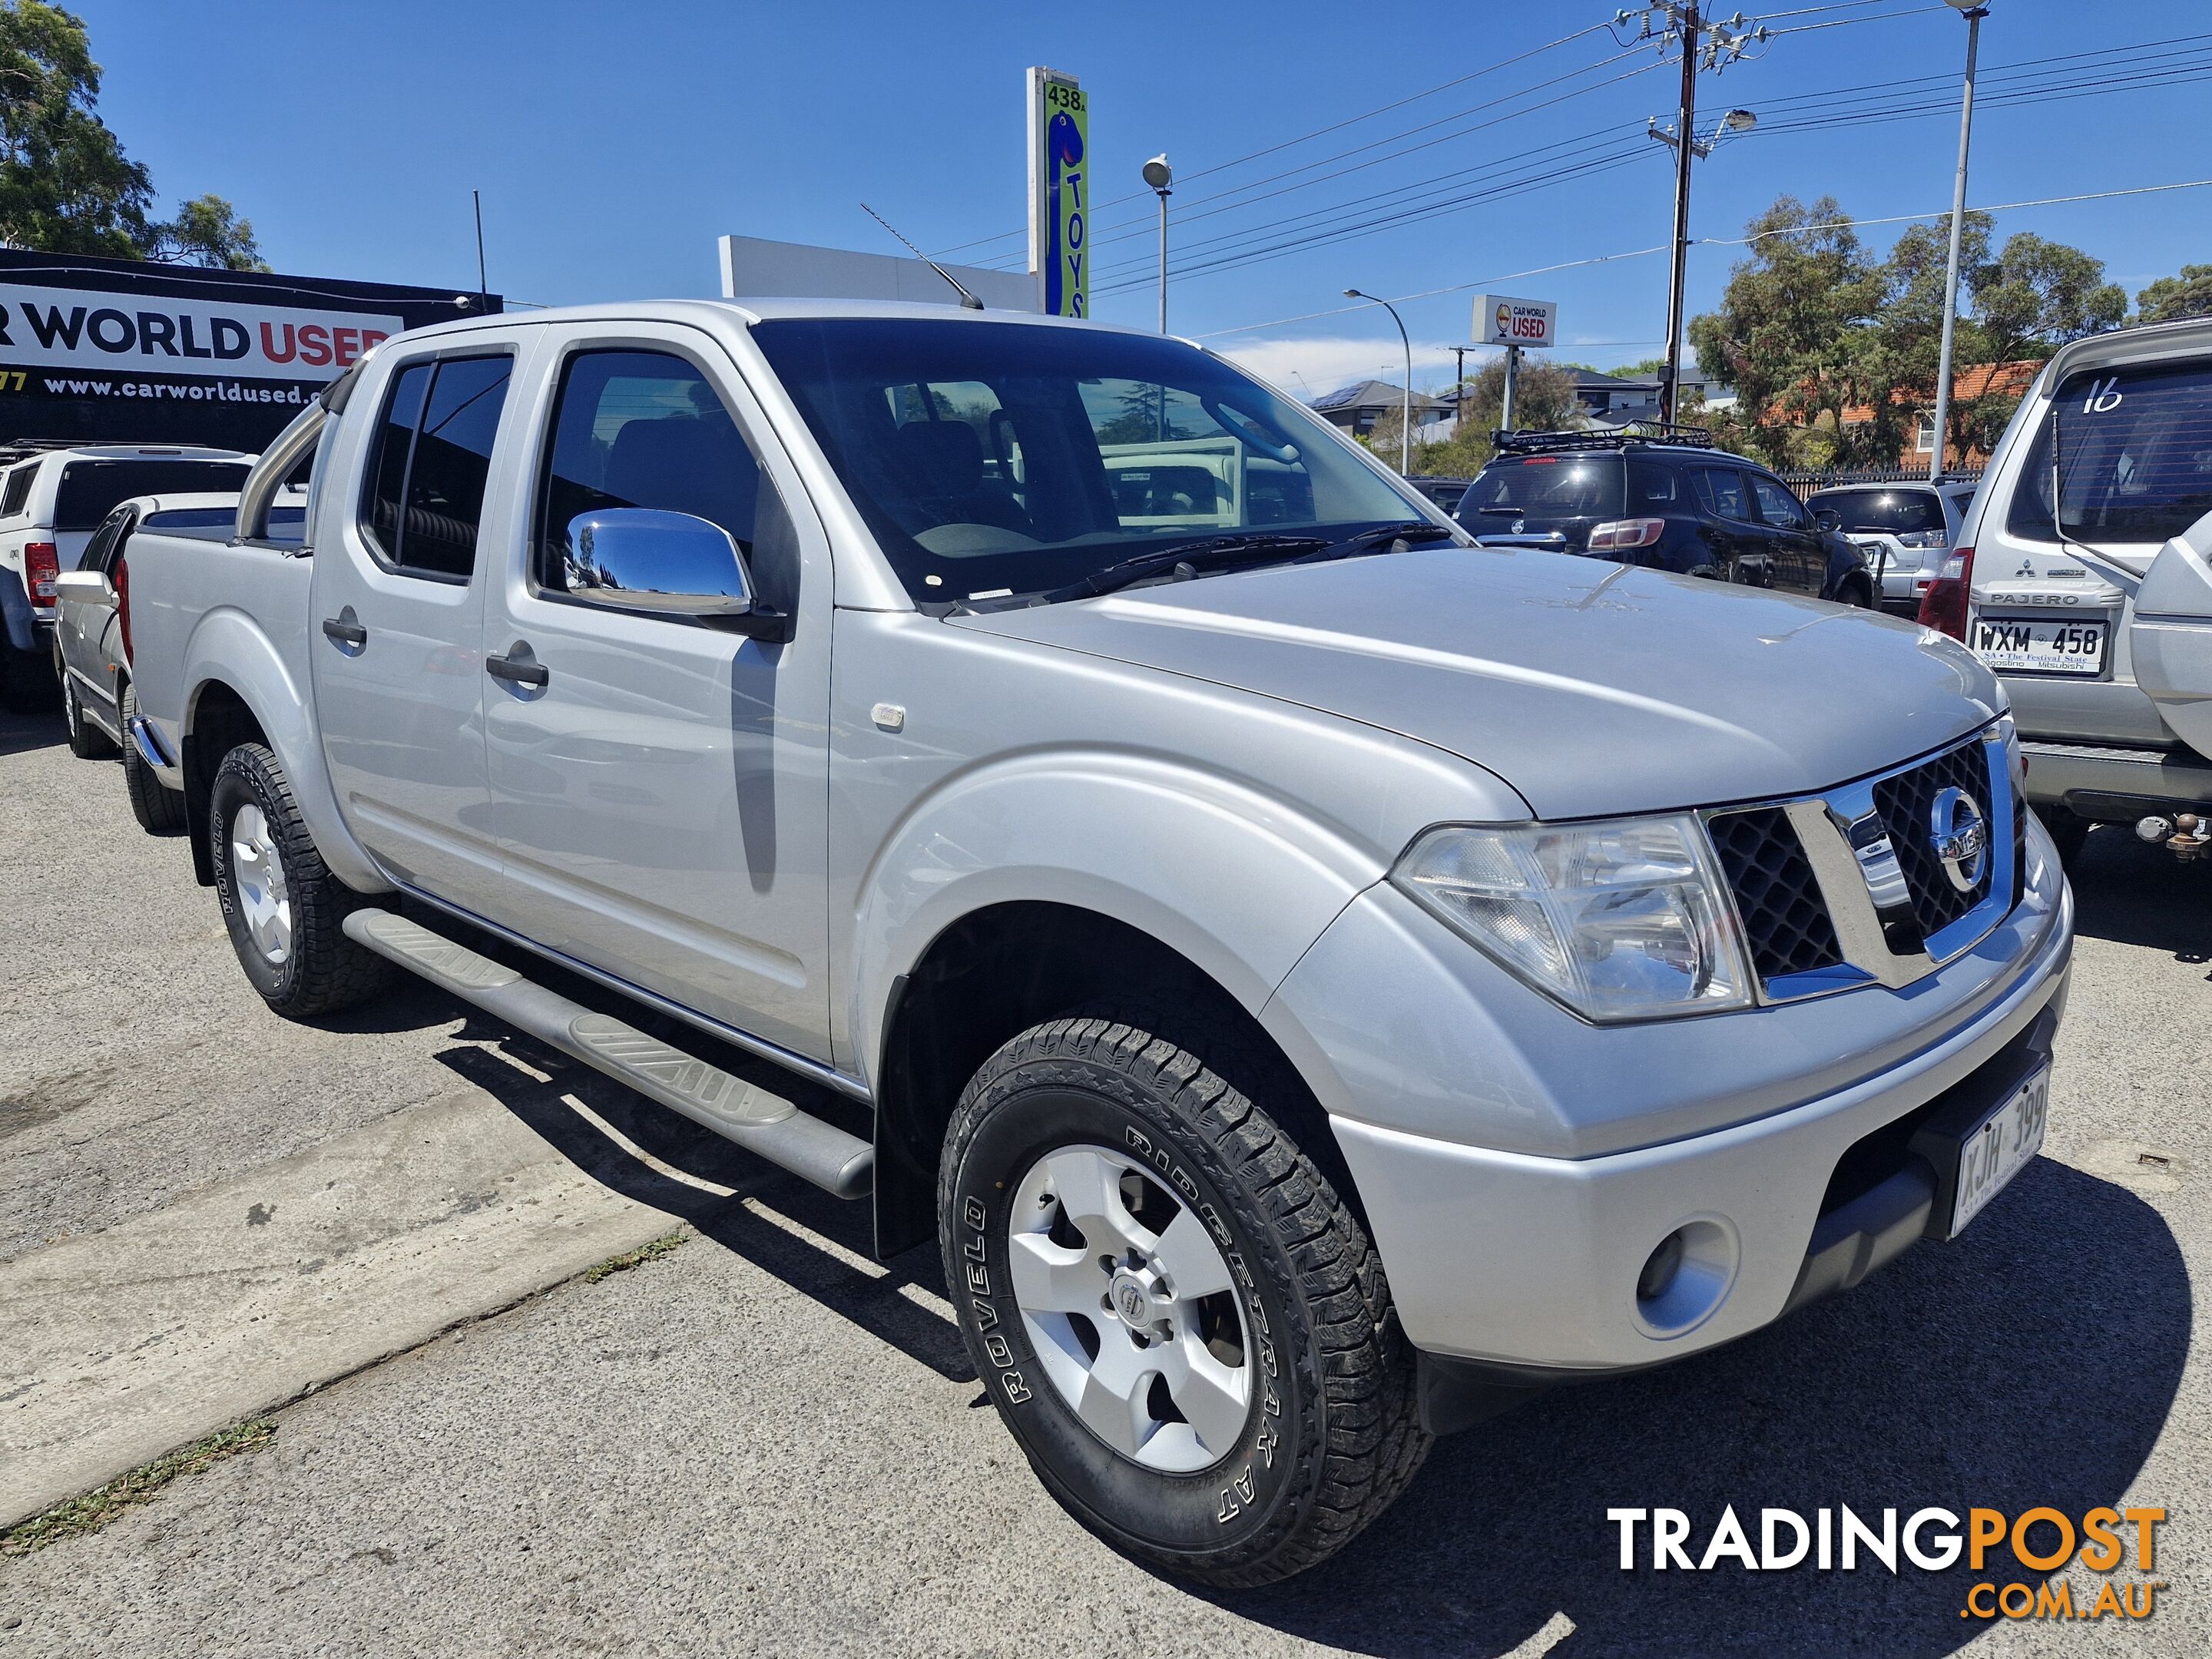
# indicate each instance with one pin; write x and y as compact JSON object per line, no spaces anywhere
{"x":743,"y":1112}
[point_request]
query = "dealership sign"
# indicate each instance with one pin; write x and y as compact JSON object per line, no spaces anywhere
{"x":52,"y":328}
{"x":1059,"y":192}
{"x":1502,"y":320}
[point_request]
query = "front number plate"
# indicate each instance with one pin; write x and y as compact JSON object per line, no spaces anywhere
{"x":1992,"y":1154}
{"x":2040,"y":644}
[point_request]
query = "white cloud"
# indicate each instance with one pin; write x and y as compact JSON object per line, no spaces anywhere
{"x":1319,"y":363}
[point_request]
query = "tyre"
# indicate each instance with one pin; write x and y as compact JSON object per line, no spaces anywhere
{"x":1857,"y":594}
{"x":159,"y":810}
{"x":1177,"y":1317}
{"x":285,"y":910}
{"x":85,"y":740}
{"x":2068,"y":831}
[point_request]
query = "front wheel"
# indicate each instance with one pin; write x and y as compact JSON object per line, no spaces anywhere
{"x":285,"y":910}
{"x":159,"y":809}
{"x":1176,"y":1315}
{"x":85,"y":740}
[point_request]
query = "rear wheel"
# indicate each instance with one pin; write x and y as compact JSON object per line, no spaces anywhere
{"x":285,"y":910}
{"x":85,"y":740}
{"x":159,"y":810}
{"x":1177,"y":1317}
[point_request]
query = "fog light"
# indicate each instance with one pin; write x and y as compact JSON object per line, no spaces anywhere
{"x":1687,"y":1276}
{"x":1658,"y":1275}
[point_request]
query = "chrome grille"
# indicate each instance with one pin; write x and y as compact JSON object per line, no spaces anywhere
{"x":1905,"y":802}
{"x":1785,"y":921}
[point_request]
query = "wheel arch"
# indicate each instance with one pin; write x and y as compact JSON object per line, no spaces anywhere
{"x":995,"y":972}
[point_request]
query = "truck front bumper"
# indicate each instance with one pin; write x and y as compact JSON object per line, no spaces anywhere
{"x":1527,"y":1259}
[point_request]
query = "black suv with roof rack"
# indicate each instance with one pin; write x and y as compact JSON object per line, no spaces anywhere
{"x":1664,"y":496}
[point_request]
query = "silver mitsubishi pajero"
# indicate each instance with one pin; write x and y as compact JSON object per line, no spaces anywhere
{"x":1317,"y":980}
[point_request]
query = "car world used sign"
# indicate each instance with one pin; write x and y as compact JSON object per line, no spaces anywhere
{"x":1502,"y":320}
{"x":56,"y":328}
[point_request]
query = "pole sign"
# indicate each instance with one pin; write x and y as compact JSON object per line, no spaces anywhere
{"x":129,"y":351}
{"x":1059,"y":193}
{"x":1502,"y":320}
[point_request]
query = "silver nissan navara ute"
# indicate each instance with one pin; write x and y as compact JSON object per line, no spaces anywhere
{"x":1317,"y":980}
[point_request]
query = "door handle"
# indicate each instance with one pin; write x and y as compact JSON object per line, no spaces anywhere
{"x":516,"y":671}
{"x":344,"y":631}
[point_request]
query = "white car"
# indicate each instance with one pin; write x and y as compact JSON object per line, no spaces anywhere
{"x":51,"y":503}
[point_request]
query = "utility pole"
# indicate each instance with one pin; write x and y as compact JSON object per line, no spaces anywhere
{"x":1715,"y":45}
{"x":1512,"y":378}
{"x":1685,"y":128}
{"x":1974,"y":15}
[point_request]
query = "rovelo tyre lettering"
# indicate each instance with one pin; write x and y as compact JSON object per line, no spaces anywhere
{"x":977,"y":1271}
{"x":1239,"y":1491}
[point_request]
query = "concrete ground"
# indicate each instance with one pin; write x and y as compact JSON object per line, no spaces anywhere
{"x":764,"y":1442}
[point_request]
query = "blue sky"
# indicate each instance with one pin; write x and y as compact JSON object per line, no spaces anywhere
{"x":614,"y":143}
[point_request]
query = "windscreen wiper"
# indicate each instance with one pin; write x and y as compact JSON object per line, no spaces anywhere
{"x":1258,"y":545}
{"x":1374,"y":540}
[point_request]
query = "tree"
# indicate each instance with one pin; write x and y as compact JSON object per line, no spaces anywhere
{"x":2170,"y":299}
{"x":1790,"y":333}
{"x":65,"y":185}
{"x":207,"y":231}
{"x":2036,"y":295}
{"x":1543,"y":401}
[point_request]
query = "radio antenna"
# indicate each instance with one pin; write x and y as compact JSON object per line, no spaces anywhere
{"x":967,"y":299}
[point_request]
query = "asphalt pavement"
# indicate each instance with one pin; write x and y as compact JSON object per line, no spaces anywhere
{"x":765,"y":1442}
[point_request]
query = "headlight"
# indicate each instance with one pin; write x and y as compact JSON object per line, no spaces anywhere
{"x":1619,"y":921}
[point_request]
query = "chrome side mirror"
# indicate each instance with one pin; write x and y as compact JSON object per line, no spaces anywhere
{"x":638,"y":558}
{"x":86,"y":587}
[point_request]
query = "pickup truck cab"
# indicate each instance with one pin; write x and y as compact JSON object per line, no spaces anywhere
{"x":1317,"y":980}
{"x":2080,"y":577}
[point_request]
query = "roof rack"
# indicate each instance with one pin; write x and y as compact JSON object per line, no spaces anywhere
{"x":1633,"y":432}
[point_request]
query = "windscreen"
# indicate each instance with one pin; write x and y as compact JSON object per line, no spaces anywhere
{"x":1882,"y":512}
{"x":89,"y":489}
{"x":2133,"y":450}
{"x":1544,"y":492}
{"x":994,"y":459}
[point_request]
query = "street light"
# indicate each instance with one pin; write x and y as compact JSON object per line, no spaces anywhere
{"x":1160,"y":175}
{"x":1973,"y":14}
{"x":1405,"y":409}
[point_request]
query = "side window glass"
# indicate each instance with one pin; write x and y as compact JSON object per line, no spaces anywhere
{"x":1776,"y":505}
{"x":1652,"y":487}
{"x":1722,"y":491}
{"x":19,"y":490}
{"x":432,"y":456}
{"x":646,"y":428}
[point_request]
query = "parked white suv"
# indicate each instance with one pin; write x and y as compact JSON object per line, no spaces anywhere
{"x":50,"y":502}
{"x":2098,"y":616}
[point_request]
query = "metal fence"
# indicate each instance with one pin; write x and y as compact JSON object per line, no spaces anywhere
{"x":1806,"y":483}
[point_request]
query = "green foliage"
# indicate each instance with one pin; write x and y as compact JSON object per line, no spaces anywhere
{"x":1543,"y":401}
{"x":1811,"y":325}
{"x":2170,"y":299}
{"x":651,"y":1251}
{"x":89,"y":1513}
{"x":65,"y":185}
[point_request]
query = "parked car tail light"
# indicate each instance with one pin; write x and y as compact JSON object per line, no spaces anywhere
{"x":1943,"y":606}
{"x":1626,"y":532}
{"x":123,"y":604}
{"x":42,"y":563}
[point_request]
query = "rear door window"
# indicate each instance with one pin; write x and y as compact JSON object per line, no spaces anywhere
{"x":1721,"y":490}
{"x":2134,"y":456}
{"x":90,"y":490}
{"x":432,"y":459}
{"x":1653,"y":487}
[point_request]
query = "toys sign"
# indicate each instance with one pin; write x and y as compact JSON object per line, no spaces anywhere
{"x":1502,"y":320}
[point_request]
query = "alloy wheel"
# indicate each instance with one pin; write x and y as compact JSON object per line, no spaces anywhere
{"x":258,"y":876}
